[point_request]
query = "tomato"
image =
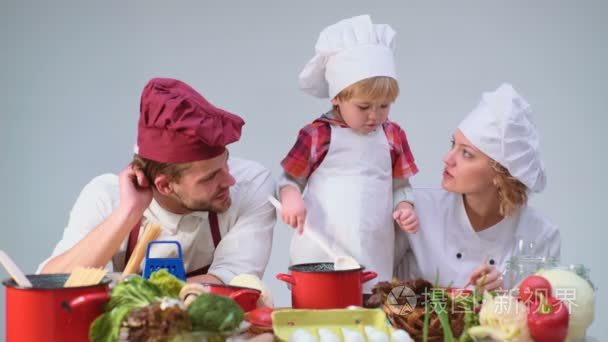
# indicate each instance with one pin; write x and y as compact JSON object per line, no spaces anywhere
{"x":260,"y":317}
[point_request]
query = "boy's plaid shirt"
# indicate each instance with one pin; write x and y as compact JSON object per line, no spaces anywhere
{"x":313,"y":143}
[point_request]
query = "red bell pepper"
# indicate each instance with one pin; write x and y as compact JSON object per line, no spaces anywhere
{"x":531,"y":287}
{"x":548,"y":320}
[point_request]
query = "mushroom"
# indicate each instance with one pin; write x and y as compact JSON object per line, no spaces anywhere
{"x":191,"y":291}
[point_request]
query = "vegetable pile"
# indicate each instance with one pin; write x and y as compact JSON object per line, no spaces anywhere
{"x":151,"y":310}
{"x":539,"y":311}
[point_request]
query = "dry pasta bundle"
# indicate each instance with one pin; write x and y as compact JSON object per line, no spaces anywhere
{"x":85,"y":276}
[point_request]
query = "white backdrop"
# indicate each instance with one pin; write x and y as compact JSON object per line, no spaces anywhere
{"x":71,"y":73}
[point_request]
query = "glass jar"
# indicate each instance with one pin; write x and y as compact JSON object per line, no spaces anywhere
{"x":521,"y":266}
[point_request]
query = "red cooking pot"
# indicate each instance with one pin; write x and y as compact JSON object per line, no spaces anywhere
{"x":318,"y":286}
{"x":50,"y":312}
{"x":245,"y":297}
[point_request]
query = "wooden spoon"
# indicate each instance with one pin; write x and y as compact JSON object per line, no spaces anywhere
{"x":341,"y":262}
{"x":14,"y":271}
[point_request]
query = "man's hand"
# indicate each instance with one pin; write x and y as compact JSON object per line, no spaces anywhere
{"x":206,"y":279}
{"x":406,"y":217}
{"x":99,"y":245}
{"x":293,"y":210}
{"x":135,"y":191}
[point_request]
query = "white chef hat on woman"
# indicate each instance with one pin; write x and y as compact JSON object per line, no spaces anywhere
{"x":501,"y":127}
{"x":347,"y":52}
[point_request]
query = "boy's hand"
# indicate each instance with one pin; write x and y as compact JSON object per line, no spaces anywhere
{"x":406,"y":217}
{"x":294,"y":211}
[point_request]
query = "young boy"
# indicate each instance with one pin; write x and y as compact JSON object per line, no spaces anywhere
{"x":347,"y":174}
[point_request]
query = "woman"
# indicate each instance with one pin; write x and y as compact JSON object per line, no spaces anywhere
{"x":476,"y":223}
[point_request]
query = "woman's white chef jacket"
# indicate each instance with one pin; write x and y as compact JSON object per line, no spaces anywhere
{"x":447,"y":245}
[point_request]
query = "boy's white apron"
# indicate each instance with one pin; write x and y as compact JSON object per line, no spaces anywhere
{"x":349,"y":199}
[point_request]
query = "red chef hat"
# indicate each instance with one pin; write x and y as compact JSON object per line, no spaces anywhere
{"x":177,"y":125}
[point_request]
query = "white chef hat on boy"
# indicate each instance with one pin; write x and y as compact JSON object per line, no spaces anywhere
{"x":347,"y":52}
{"x":501,"y":126}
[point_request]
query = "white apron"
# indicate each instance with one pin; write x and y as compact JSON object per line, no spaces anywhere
{"x":349,"y":201}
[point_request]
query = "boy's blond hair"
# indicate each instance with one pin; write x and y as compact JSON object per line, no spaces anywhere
{"x":512,"y":193}
{"x":373,"y":88}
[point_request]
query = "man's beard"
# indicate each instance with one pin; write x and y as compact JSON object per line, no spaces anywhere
{"x":205,"y":205}
{"x":208,"y":206}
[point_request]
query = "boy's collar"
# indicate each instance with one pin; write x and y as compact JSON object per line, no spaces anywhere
{"x":331,"y":118}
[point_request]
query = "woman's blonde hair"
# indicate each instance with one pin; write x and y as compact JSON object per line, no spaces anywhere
{"x":512,"y":193}
{"x":373,"y":88}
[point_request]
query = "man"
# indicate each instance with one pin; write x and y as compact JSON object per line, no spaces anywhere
{"x":182,"y":179}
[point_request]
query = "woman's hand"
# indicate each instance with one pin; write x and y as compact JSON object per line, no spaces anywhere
{"x":293,"y":210}
{"x":486,"y":277}
{"x":406,"y":217}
